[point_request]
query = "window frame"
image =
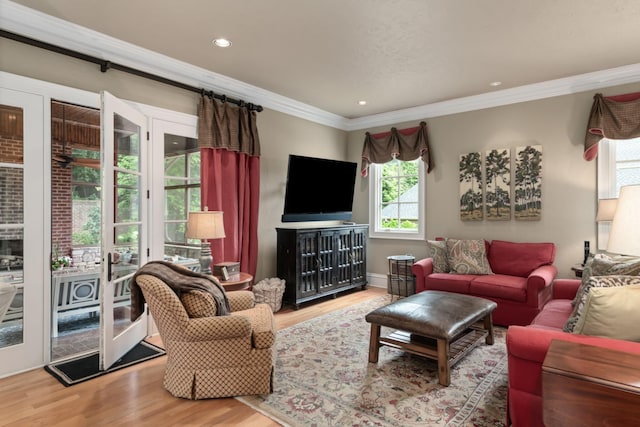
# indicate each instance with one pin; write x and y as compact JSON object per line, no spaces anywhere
{"x":606,"y":183}
{"x":375,"y":207}
{"x":188,"y":186}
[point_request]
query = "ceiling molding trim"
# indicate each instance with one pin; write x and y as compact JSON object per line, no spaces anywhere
{"x":565,"y":86}
{"x":37,"y":25}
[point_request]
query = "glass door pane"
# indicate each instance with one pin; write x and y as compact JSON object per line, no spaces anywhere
{"x":11,"y":226}
{"x":75,"y":230}
{"x":22,"y":256}
{"x":124,"y":243}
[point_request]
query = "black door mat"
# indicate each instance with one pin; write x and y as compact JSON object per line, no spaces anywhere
{"x":80,"y":369}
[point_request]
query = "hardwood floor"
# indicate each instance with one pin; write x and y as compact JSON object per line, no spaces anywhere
{"x":135,"y":396}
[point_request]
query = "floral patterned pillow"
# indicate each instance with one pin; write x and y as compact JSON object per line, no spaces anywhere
{"x":438,"y":253}
{"x":595,"y":282}
{"x":467,"y":257}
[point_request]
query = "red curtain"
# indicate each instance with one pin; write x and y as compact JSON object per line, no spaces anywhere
{"x":230,"y":178}
{"x":231,"y":184}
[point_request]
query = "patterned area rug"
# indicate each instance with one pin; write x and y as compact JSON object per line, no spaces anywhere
{"x":323,"y":378}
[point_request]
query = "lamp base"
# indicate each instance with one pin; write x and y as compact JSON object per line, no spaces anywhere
{"x":205,"y":258}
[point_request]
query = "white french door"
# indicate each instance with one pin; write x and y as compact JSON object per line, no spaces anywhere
{"x":124,"y":217}
{"x":22,"y":254}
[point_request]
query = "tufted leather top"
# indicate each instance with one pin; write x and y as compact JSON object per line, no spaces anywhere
{"x":433,"y":314}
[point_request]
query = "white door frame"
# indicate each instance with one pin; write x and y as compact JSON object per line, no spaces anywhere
{"x":48,"y":91}
{"x":31,"y":351}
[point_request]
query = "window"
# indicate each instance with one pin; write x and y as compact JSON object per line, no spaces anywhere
{"x":181,"y":192}
{"x":396,"y":194}
{"x":618,"y":165}
{"x":85,"y":188}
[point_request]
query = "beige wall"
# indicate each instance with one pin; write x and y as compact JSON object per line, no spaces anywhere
{"x":568,"y":182}
{"x":280,"y":134}
{"x":558,"y":124}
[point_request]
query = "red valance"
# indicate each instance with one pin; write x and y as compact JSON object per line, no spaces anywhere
{"x":404,"y":144}
{"x":615,"y":117}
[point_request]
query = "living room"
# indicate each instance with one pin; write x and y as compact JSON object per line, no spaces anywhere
{"x":557,"y":122}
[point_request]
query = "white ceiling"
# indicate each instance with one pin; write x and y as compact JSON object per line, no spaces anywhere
{"x":395,"y":54}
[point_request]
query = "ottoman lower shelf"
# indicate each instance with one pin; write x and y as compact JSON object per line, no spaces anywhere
{"x":428,"y":347}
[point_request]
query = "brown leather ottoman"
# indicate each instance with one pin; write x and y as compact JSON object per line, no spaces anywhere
{"x":434,"y":324}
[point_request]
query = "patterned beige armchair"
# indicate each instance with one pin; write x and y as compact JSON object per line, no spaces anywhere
{"x":208,"y":355}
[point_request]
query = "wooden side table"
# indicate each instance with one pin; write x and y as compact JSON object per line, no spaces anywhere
{"x":243,"y":283}
{"x":584,"y":385}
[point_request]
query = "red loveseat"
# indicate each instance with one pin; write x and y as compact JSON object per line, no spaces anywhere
{"x":520,"y":285}
{"x":527,"y":348}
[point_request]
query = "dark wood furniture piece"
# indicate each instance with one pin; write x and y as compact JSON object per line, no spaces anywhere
{"x":240,"y":284}
{"x":433,"y":324}
{"x":578,"y":269}
{"x":316,"y":262}
{"x":584,"y":385}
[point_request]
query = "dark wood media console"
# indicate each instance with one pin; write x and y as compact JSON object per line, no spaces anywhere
{"x":316,"y":262}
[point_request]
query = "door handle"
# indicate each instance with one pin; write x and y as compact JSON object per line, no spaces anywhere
{"x":109,"y":267}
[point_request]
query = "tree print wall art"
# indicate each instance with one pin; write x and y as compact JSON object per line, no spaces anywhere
{"x":528,"y":183}
{"x":498,"y":184}
{"x":470,"y":187}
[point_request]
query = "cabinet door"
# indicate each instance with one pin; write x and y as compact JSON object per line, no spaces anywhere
{"x":344,"y":243}
{"x":359,"y":256}
{"x":307,"y":276}
{"x":327,"y":242}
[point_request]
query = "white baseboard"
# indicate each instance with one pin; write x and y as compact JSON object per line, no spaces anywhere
{"x":377,"y":280}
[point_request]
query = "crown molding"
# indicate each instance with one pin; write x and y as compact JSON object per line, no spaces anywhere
{"x":532,"y":92}
{"x":37,"y":25}
{"x":40,"y":26}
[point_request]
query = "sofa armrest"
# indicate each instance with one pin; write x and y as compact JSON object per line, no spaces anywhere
{"x":422,"y":267}
{"x":240,"y":300}
{"x":217,"y":328}
{"x":541,"y":278}
{"x":565,"y":288}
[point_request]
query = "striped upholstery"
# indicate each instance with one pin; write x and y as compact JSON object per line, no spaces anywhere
{"x":207,"y":355}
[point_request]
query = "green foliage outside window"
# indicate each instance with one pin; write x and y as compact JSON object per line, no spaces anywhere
{"x":398,"y":177}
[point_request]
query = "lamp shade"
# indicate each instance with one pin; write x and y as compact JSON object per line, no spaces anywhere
{"x":606,"y":209}
{"x":624,"y":237}
{"x":205,"y":225}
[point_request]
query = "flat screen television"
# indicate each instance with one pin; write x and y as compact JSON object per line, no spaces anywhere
{"x":319,"y":189}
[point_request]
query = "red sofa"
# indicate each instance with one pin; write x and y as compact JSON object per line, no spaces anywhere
{"x":527,"y":348}
{"x":520,"y":285}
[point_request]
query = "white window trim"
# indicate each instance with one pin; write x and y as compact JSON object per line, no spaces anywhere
{"x":376,"y":232}
{"x":606,"y":185}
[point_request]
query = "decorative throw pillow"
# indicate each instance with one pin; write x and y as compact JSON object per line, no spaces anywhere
{"x":603,"y":265}
{"x":438,"y":253}
{"x":198,"y":304}
{"x":467,"y":257}
{"x":596,"y":282}
{"x":612,"y":313}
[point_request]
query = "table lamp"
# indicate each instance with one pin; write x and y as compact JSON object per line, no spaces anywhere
{"x":205,"y":225}
{"x":624,"y":237}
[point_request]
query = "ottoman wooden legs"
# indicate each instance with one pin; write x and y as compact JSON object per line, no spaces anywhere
{"x":374,"y":343}
{"x":445,"y":352}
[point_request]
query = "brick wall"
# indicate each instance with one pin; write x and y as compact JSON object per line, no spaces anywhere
{"x":11,"y":197}
{"x":61,"y":207}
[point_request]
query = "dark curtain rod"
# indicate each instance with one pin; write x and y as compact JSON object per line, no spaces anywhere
{"x":107,"y":65}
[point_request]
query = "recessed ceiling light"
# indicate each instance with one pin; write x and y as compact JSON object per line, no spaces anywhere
{"x":362,"y":102}
{"x":222,"y":42}
{"x":495,"y":84}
